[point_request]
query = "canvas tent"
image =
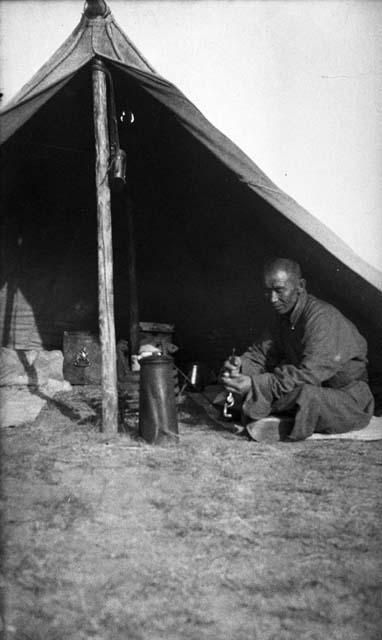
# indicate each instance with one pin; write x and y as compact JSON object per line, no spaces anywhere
{"x":206,"y":217}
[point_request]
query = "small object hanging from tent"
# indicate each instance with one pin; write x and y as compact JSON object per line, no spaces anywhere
{"x":117,"y":172}
{"x":127,"y":114}
{"x":117,"y":164}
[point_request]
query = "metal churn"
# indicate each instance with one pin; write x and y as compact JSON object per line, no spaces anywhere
{"x":157,"y":406}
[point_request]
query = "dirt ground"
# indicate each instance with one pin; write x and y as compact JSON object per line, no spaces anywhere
{"x":213,"y":538}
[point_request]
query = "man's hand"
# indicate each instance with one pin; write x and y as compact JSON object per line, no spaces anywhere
{"x":231,"y":378}
{"x":238,"y":383}
{"x":232,"y":366}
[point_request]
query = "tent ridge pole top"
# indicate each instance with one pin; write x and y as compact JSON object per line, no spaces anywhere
{"x":98,"y":63}
{"x":94,"y":8}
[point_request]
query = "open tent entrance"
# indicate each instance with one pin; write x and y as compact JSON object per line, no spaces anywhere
{"x":201,"y":234}
{"x":196,"y":255}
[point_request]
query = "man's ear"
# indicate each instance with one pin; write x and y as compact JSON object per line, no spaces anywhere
{"x":301,"y":285}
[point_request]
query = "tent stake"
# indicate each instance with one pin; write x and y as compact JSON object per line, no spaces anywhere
{"x":105,"y":254}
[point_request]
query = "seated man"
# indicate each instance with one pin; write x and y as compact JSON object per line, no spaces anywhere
{"x":311,"y":366}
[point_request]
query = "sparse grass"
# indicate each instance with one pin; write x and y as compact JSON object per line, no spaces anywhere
{"x":216,"y":538}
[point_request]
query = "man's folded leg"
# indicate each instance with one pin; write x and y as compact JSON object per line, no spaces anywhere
{"x":309,"y":408}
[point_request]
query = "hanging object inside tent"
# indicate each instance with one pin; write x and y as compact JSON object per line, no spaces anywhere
{"x":117,"y":171}
{"x":117,"y":163}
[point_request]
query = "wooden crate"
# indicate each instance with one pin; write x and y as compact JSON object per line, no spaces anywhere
{"x":82,"y":351}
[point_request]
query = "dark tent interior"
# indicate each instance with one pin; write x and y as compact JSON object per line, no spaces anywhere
{"x":201,"y":234}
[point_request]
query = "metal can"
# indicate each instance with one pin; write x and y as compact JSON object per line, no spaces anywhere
{"x":157,"y":406}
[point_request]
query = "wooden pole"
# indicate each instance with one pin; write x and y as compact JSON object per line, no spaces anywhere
{"x":105,"y":254}
{"x":132,"y":280}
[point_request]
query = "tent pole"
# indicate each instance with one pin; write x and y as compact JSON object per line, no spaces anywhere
{"x":132,"y":280}
{"x":105,"y":253}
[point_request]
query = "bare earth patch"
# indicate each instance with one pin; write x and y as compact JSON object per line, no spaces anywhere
{"x":214,"y":538}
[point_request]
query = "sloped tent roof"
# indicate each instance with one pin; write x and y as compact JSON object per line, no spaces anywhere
{"x":279,"y":224}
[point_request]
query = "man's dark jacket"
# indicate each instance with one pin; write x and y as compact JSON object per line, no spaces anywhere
{"x":315,"y":345}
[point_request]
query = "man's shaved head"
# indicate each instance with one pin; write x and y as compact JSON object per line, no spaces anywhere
{"x":283,"y":264}
{"x":283,"y":284}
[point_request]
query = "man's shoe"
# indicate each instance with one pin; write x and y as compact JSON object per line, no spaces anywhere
{"x":270,"y":429}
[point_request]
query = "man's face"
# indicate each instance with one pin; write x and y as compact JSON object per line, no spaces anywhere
{"x":282,"y":289}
